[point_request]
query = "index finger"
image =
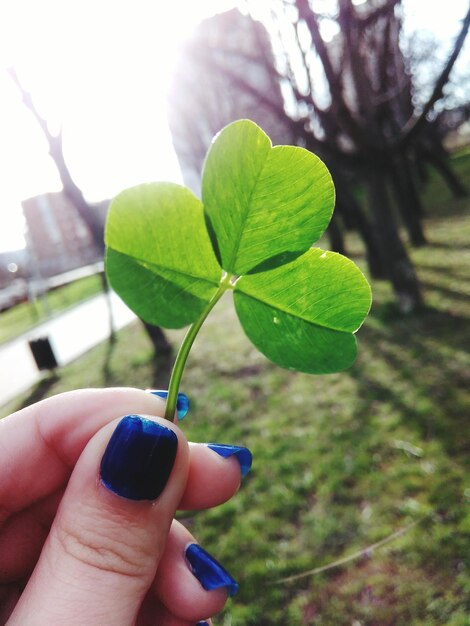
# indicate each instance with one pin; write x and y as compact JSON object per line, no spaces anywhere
{"x":40,"y":444}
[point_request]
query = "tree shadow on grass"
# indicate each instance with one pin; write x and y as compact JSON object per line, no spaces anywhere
{"x":161,"y":370}
{"x":40,"y":390}
{"x":106,"y":369}
{"x":444,"y":273}
{"x":448,"y":293}
{"x":446,"y":245}
{"x":161,"y":365}
{"x":425,"y":378}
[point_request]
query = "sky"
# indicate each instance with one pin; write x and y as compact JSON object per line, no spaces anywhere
{"x":100,"y":70}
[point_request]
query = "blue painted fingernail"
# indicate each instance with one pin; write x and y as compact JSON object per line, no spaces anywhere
{"x":182,"y":403}
{"x":138,"y":458}
{"x":208,"y":571}
{"x":203,"y":623}
{"x":243,"y":455}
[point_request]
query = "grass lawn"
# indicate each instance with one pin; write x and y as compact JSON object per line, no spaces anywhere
{"x":22,"y":317}
{"x":340,"y":461}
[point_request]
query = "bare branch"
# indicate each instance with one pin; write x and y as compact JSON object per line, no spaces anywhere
{"x":382,"y":11}
{"x":415,"y":123}
{"x":71,"y":190}
{"x":333,"y":78}
{"x":309,"y":17}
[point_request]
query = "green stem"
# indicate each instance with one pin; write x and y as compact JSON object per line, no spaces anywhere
{"x":185,"y":347}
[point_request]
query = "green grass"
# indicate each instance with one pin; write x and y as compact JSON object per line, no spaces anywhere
{"x":340,"y":461}
{"x":24,"y":316}
{"x":437,"y":200}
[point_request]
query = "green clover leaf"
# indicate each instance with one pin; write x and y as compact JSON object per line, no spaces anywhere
{"x":171,"y":257}
{"x":159,"y":258}
{"x":263,"y":202}
{"x":302,"y":315}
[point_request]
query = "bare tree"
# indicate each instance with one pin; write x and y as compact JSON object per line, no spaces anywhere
{"x":350,"y":100}
{"x":85,"y":209}
{"x":233,"y":43}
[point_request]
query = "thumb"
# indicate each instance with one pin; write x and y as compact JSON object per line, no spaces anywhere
{"x":104,"y":546}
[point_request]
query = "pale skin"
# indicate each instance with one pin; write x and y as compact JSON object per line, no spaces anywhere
{"x":71,"y":551}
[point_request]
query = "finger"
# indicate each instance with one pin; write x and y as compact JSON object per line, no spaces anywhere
{"x":189,"y":582}
{"x":104,"y":546}
{"x":182,"y":401}
{"x":9,"y":595}
{"x":215,"y":474}
{"x":212,"y":480}
{"x":153,"y":613}
{"x":46,"y":439}
{"x":23,"y":536}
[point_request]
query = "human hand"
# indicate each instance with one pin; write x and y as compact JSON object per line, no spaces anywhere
{"x":73,"y":551}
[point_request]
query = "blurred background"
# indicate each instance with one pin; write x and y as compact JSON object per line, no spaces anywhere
{"x":356,"y":511}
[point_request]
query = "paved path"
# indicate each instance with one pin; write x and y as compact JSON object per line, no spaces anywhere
{"x":71,"y":334}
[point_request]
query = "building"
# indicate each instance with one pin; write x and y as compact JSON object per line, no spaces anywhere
{"x":57,"y":238}
{"x":221,"y":72}
{"x":13,"y":265}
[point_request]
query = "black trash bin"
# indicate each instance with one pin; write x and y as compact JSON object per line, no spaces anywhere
{"x":43,"y":353}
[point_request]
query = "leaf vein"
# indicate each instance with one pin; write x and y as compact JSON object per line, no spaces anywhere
{"x":145,"y":264}
{"x":298,"y":316}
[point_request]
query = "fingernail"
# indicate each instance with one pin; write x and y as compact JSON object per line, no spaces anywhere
{"x":203,"y":623}
{"x":243,"y":455}
{"x":208,"y":571}
{"x":139,"y":458}
{"x":182,"y":402}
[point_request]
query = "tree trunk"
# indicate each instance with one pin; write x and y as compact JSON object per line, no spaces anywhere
{"x":336,"y":235}
{"x":392,"y":251}
{"x":107,"y":295}
{"x":87,"y":214}
{"x":421,"y":167}
{"x":352,"y":213}
{"x":375,"y":260}
{"x":159,"y":341}
{"x":408,"y":201}
{"x":440,"y":162}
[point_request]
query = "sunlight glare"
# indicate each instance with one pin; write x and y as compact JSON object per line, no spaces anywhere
{"x":100,"y":71}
